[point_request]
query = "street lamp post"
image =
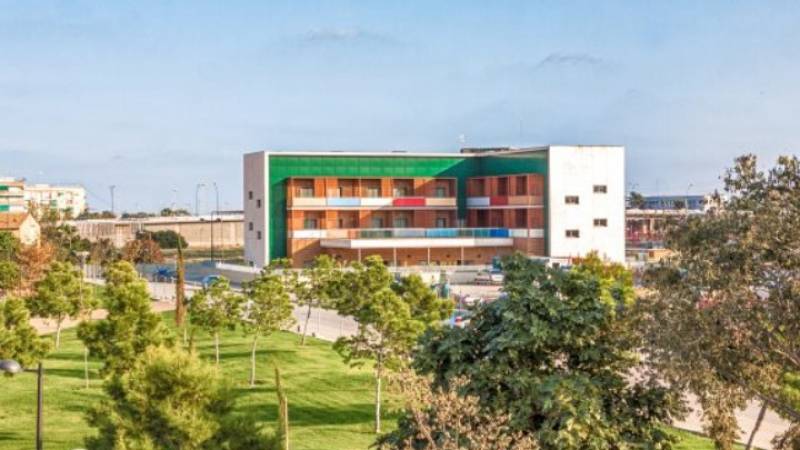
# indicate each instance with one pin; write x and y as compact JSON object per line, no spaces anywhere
{"x":197,"y":198}
{"x":12,"y":367}
{"x":216,"y":212}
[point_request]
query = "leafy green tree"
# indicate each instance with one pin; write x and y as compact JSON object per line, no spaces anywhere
{"x":723,"y":311}
{"x":215,"y":309}
{"x":390,"y":319}
{"x":166,"y":239}
{"x":65,"y":240}
{"x":267,"y":309}
{"x":10,"y":276}
{"x":18,"y":339}
{"x":9,"y":246}
{"x":636,"y":200}
{"x":171,"y":400}
{"x":555,"y":356}
{"x":58,"y":296}
{"x":315,"y":287}
{"x":130,"y":327}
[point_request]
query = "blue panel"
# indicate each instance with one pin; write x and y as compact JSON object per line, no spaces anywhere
{"x":343,"y":201}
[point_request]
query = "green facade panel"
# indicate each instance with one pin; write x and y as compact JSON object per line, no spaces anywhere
{"x":282,"y":167}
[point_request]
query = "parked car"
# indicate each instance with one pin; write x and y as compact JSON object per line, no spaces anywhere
{"x":208,"y":280}
{"x":460,"y":318}
{"x":489,"y":277}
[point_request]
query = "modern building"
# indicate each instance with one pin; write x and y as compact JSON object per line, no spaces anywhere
{"x":435,"y":208}
{"x":71,"y":199}
{"x":12,"y":196}
{"x":22,"y":225}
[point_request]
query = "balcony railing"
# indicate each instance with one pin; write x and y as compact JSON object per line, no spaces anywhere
{"x":417,"y":233}
{"x":372,"y":202}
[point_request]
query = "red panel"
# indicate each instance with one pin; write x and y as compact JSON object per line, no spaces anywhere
{"x":498,"y":201}
{"x":409,"y":201}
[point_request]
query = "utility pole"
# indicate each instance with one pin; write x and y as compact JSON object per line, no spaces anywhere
{"x":111,"y":188}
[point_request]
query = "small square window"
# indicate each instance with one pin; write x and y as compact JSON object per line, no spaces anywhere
{"x":601,"y":222}
{"x":572,"y":200}
{"x":441,"y":192}
{"x":600,"y":189}
{"x":250,"y":195}
{"x":573,"y":233}
{"x":258,"y":203}
{"x":310,"y":224}
{"x":258,"y":235}
{"x":250,"y":226}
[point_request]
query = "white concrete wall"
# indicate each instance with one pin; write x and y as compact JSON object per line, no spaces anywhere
{"x":256,"y":170}
{"x":574,"y":170}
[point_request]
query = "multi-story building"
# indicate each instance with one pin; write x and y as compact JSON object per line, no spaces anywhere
{"x":64,"y":199}
{"x":12,"y":195}
{"x":435,"y":208}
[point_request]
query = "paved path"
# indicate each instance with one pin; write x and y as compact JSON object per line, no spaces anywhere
{"x":328,"y":325}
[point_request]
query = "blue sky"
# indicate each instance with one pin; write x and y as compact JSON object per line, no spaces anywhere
{"x":155,"y":97}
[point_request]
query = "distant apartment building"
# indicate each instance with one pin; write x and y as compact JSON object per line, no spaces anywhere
{"x":674,"y":202}
{"x":12,"y":196}
{"x":64,"y":199}
{"x":435,"y":208}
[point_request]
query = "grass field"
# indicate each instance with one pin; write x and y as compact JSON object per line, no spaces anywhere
{"x":330,"y":404}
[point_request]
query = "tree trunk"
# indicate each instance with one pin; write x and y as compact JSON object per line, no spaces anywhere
{"x":253,"y":362}
{"x":59,"y":322}
{"x":305,"y":326}
{"x":185,"y":332}
{"x":216,"y":346}
{"x":378,"y":375}
{"x":86,"y":366}
{"x":757,"y":425}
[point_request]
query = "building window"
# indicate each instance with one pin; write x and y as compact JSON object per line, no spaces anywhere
{"x":520,"y":218}
{"x":600,"y":189}
{"x":401,"y":222}
{"x":441,"y":222}
{"x":601,"y":222}
{"x":572,"y":200}
{"x":373,"y":192}
{"x":250,"y":226}
{"x":310,"y":224}
{"x":258,"y":235}
{"x":441,"y":192}
{"x":258,"y":203}
{"x":573,"y":233}
{"x":249,"y":195}
{"x":522,"y":185}
{"x":376,"y":222}
{"x":305,"y":192}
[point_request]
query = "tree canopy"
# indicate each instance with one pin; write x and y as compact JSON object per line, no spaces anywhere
{"x":555,"y":355}
{"x":171,"y":400}
{"x":391,"y":317}
{"x":130,"y":327}
{"x":18,"y":339}
{"x":59,"y":295}
{"x":722,"y":313}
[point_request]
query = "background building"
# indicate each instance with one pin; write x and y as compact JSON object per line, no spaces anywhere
{"x":221,"y":231}
{"x":71,"y":199}
{"x":435,"y":208}
{"x":12,"y":195}
{"x":22,"y":225}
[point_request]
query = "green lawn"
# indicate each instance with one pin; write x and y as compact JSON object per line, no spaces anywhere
{"x":330,"y":404}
